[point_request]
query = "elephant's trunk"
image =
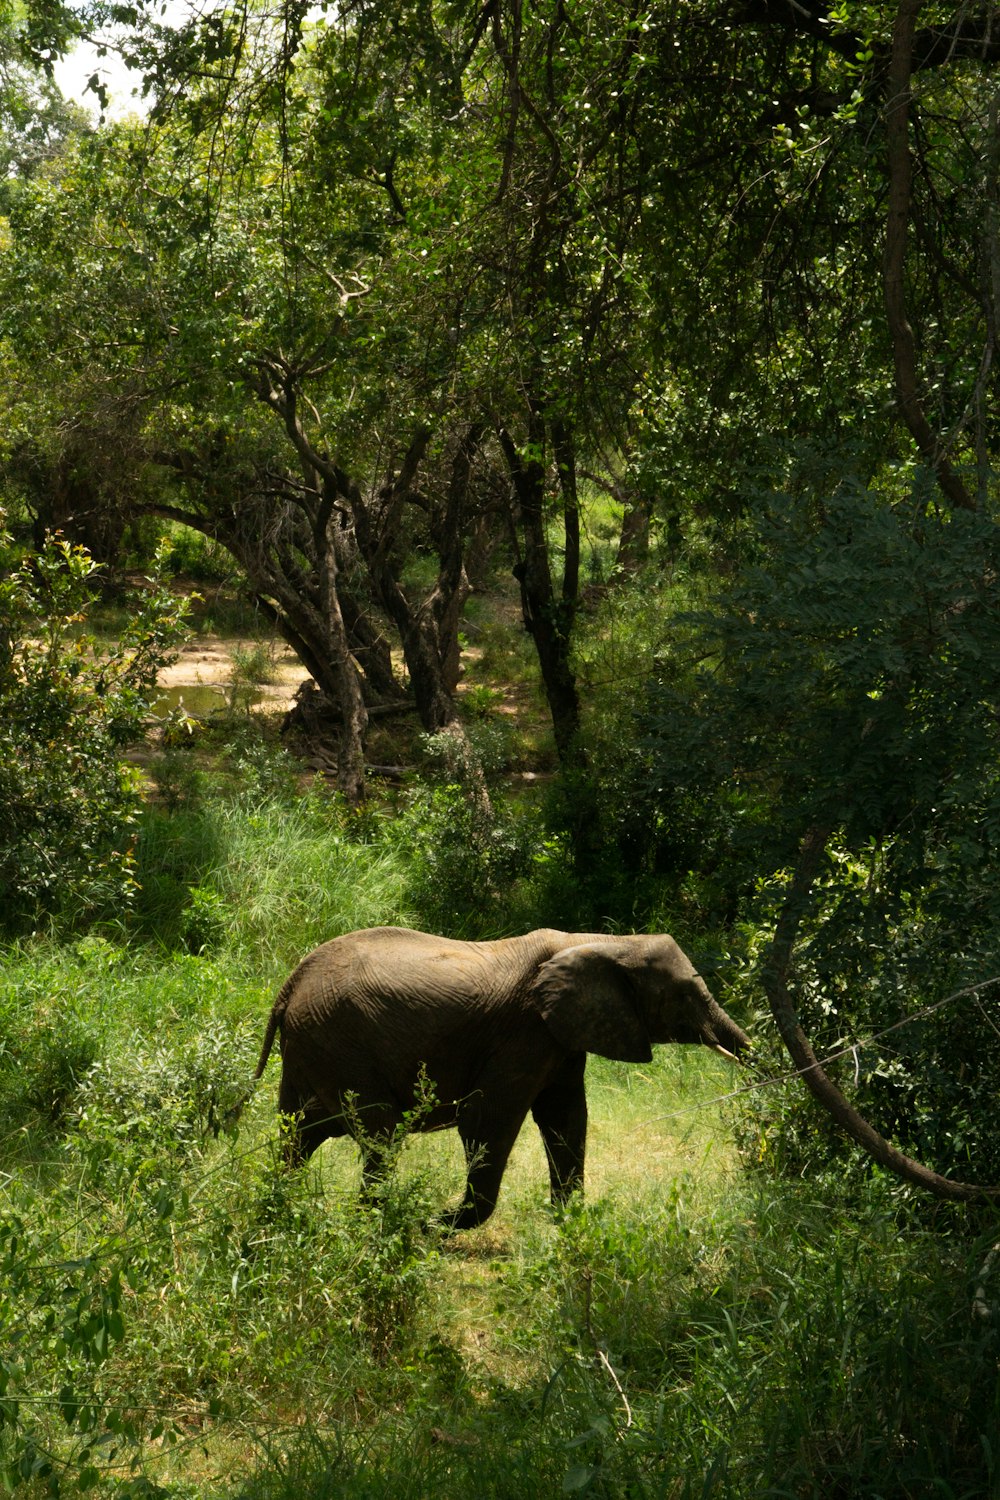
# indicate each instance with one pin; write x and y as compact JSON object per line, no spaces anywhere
{"x":723,"y":1035}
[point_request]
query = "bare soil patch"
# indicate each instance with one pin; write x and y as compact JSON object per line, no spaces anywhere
{"x":213,"y":661}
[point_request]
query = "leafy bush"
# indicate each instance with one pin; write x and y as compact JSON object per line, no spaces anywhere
{"x":390,"y":1277}
{"x":263,"y":771}
{"x":68,"y":709}
{"x":46,"y":1050}
{"x":252,"y":666}
{"x":204,"y":920}
{"x":172,"y":1095}
{"x":463,"y":863}
{"x":178,"y":781}
{"x":61,"y":1326}
{"x":847,"y":685}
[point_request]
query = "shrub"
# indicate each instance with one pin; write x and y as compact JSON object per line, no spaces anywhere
{"x":169,"y":1095}
{"x":46,"y":1050}
{"x":463,"y":863}
{"x":390,"y":1275}
{"x":204,"y":921}
{"x":68,"y":708}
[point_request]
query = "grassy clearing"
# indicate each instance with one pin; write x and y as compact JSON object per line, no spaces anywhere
{"x":180,"y":1317}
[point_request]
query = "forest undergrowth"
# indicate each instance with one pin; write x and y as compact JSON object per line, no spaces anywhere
{"x":182,"y":1317}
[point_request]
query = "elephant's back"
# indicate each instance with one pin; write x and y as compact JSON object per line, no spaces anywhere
{"x":374,"y":1005}
{"x":420,"y":970}
{"x":400,"y":970}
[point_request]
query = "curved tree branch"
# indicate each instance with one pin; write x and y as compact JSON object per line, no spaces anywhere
{"x":775,"y":982}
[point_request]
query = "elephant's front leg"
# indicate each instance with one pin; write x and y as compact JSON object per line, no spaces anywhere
{"x":560,"y":1112}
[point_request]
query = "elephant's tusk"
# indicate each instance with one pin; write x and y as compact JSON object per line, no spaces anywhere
{"x":718,"y":1047}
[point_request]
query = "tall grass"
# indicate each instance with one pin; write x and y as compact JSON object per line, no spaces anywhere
{"x":264,"y":879}
{"x":181,"y":1317}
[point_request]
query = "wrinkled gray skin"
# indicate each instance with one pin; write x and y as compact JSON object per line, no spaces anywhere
{"x":498,"y":1028}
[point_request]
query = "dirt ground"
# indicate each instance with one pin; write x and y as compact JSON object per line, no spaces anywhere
{"x":210,"y":662}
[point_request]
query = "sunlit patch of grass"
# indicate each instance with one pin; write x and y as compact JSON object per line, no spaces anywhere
{"x":653,"y":1122}
{"x":264,"y":879}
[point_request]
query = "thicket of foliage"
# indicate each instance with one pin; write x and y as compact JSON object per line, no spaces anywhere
{"x":69,"y":707}
{"x":845,"y":683}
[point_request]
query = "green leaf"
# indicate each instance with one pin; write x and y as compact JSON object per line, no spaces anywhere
{"x":577,"y":1479}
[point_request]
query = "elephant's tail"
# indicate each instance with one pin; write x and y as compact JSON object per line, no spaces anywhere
{"x":273,"y":1023}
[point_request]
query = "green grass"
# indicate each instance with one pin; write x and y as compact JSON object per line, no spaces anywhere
{"x":181,"y":1317}
{"x":264,"y":879}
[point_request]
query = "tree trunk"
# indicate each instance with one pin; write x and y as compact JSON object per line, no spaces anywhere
{"x":428,"y":629}
{"x":548,"y":619}
{"x":344,"y":679}
{"x":376,"y":527}
{"x":370,"y":649}
{"x":897,"y":122}
{"x":633,"y":540}
{"x":565,"y":455}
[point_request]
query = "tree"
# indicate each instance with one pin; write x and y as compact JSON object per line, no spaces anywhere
{"x":827,"y":190}
{"x":838,"y":750}
{"x":382,"y":307}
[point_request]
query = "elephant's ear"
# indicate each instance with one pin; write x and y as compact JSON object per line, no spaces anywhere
{"x":588,"y":1001}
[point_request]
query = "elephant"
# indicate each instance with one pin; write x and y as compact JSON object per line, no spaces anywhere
{"x":494,"y":1028}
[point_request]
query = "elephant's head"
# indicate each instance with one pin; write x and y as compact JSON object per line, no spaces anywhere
{"x":618,"y":996}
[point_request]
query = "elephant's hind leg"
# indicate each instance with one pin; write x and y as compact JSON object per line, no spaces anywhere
{"x":305,"y":1131}
{"x":308,"y":1123}
{"x":375,"y":1133}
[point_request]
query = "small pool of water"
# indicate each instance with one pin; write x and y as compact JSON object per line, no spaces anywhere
{"x":199,"y":699}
